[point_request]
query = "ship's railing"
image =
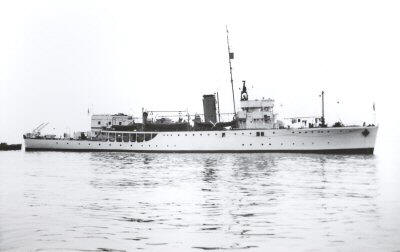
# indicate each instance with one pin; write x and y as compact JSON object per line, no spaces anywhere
{"x":185,"y":117}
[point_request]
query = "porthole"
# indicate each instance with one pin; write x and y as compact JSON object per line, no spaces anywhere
{"x":193,"y":134}
{"x":178,"y":134}
{"x":312,"y":143}
{"x":99,"y":144}
{"x":89,"y":144}
{"x":131,"y":145}
{"x":269,"y":144}
{"x":216,"y":134}
{"x":110,"y":144}
{"x":208,"y":134}
{"x":262,"y":144}
{"x":185,"y":134}
{"x":273,"y":132}
{"x":67,"y":143}
{"x":281,"y":143}
{"x":251,"y":144}
{"x":242,"y":133}
{"x":120,"y":145}
{"x":328,"y":142}
{"x":293,"y":143}
{"x":292,"y":132}
{"x":242,"y":144}
{"x":56,"y":142}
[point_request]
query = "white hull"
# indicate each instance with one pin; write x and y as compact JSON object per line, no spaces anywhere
{"x":318,"y":140}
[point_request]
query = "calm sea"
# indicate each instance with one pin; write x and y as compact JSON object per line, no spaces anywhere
{"x":57,"y":201}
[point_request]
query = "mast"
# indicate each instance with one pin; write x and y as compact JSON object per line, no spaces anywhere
{"x":230,"y":57}
{"x":323,"y":109}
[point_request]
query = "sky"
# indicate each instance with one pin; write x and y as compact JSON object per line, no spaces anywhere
{"x":60,"y":58}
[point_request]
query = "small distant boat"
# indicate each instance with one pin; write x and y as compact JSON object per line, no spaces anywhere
{"x":5,"y":146}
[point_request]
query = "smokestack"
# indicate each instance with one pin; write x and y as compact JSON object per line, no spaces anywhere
{"x":209,"y":107}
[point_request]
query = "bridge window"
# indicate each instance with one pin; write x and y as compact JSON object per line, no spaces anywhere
{"x":132,"y":137}
{"x":111,"y":137}
{"x":140,"y":138}
{"x":103,"y":136}
{"x":119,"y":137}
{"x":147,"y":137}
{"x":125,"y":137}
{"x":262,"y":133}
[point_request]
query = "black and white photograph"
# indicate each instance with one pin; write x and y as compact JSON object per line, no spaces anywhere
{"x":199,"y":125}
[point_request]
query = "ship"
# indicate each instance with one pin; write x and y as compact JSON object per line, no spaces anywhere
{"x":6,"y":147}
{"x":254,"y":128}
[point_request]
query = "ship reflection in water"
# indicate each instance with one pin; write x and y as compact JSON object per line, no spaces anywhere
{"x":182,"y":202}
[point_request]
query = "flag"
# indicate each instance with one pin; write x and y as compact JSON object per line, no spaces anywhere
{"x":373,"y":106}
{"x":88,"y":112}
{"x":231,"y":55}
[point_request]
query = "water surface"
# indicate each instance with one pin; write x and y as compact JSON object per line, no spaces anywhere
{"x":58,"y":201}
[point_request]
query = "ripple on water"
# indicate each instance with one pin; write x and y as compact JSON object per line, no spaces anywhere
{"x":181,"y":202}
